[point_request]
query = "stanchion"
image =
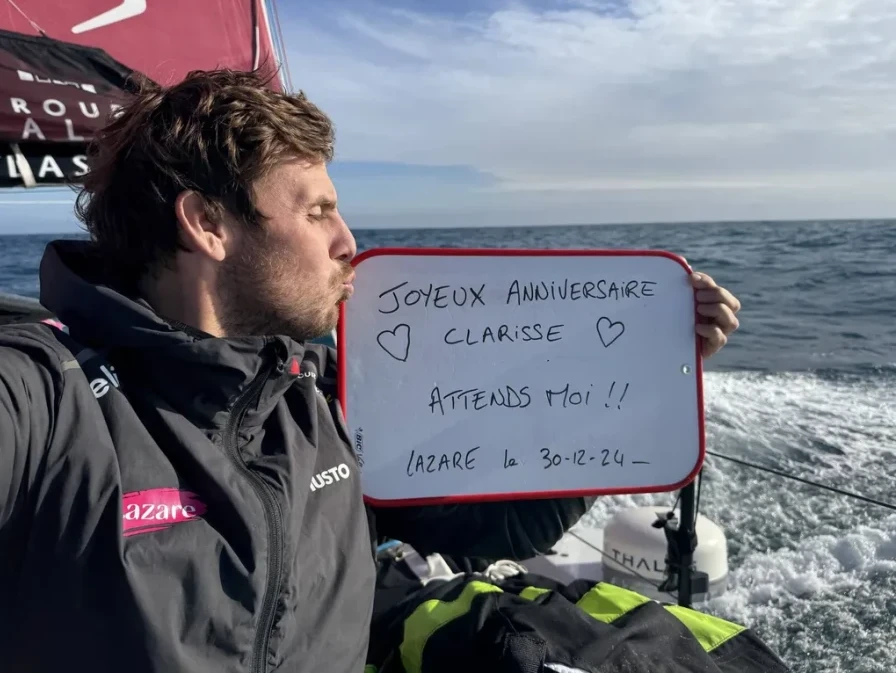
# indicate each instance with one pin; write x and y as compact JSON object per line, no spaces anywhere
{"x":681,"y":541}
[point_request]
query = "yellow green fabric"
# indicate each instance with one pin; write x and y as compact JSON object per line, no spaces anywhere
{"x":603,"y":602}
{"x":708,"y":630}
{"x":430,"y":616}
{"x":531,"y":593}
{"x":607,"y":603}
{"x":370,"y":668}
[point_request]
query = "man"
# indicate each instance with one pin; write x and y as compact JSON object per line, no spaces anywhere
{"x":156,"y":462}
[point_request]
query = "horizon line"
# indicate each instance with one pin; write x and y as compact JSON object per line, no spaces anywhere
{"x":646,"y":223}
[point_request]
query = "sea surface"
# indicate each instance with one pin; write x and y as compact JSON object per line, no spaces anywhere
{"x":807,"y":385}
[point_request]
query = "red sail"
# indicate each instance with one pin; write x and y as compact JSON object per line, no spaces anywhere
{"x":65,"y":66}
{"x":163,"y":39}
{"x":53,"y":97}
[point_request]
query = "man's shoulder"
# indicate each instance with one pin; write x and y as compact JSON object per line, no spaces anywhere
{"x":32,"y":346}
{"x":29,"y":335}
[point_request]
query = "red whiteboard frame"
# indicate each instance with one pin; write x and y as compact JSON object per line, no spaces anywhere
{"x":342,"y":377}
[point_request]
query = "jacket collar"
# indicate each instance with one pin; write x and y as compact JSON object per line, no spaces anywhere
{"x":191,"y":373}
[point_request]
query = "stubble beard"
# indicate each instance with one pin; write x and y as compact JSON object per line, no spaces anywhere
{"x":260,"y":294}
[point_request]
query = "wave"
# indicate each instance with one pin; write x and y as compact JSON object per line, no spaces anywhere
{"x":810,"y":570}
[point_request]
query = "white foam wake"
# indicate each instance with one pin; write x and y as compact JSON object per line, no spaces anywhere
{"x":813,"y":573}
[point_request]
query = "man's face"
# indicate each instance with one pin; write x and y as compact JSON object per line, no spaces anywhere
{"x":290,"y":274}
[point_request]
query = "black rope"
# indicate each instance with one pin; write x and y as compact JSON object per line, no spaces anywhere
{"x":779,"y":473}
{"x":27,"y":18}
{"x":745,"y":463}
{"x":675,"y":504}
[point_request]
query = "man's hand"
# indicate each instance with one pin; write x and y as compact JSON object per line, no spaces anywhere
{"x":717,"y":309}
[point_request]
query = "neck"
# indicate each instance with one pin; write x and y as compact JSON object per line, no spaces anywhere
{"x":186,"y":303}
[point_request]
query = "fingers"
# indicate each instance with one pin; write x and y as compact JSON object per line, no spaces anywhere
{"x":701,"y":281}
{"x":714,"y":339}
{"x":722,"y":316}
{"x":718,"y":295}
{"x":719,"y":306}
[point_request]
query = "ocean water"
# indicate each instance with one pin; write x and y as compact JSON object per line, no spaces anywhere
{"x":807,"y":385}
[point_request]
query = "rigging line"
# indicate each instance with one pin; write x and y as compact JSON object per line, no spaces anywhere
{"x":632,"y":570}
{"x":283,"y":52}
{"x":25,"y":16}
{"x":256,"y":42}
{"x":283,"y":57}
{"x":677,"y":500}
{"x":697,"y":503}
{"x":825,"y":487}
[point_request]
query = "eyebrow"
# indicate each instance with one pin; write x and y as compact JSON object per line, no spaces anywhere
{"x":323,"y":202}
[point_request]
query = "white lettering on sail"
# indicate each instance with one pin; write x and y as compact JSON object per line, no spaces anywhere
{"x":70,"y":128}
{"x":126,"y":9}
{"x":53,"y":107}
{"x":80,"y":161}
{"x":37,"y":79}
{"x":31,"y":128}
{"x":49,"y":165}
{"x":11,"y":167}
{"x":20,"y":106}
{"x":94,"y":111}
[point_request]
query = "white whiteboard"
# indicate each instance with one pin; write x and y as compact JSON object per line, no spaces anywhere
{"x":489,"y":374}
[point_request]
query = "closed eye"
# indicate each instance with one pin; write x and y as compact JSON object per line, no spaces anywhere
{"x":321,"y":209}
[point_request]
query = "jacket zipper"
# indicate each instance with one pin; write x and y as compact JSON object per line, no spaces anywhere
{"x":271,"y":513}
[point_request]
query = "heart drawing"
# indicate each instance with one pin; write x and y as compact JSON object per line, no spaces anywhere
{"x":609,"y":331}
{"x":396,"y":342}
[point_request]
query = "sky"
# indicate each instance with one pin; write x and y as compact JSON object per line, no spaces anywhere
{"x":494,"y":112}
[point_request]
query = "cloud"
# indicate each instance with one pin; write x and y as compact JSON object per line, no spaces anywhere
{"x":556,"y":111}
{"x":710,"y":96}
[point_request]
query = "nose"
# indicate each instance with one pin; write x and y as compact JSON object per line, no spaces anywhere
{"x":344,"y":246}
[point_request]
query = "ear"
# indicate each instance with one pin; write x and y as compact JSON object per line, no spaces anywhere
{"x":198,"y":233}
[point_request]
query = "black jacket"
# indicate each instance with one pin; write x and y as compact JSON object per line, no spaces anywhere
{"x":513,"y":621}
{"x":170,"y":501}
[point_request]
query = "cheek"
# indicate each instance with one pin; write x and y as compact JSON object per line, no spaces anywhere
{"x":304,"y":259}
{"x":304,"y":272}
{"x":313,"y":260}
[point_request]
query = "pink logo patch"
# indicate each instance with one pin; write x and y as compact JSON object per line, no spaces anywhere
{"x":157,"y":509}
{"x":52,"y":322}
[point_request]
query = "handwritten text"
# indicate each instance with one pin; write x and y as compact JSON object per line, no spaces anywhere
{"x":520,"y":293}
{"x":503,"y":334}
{"x":548,"y":458}
{"x":438,"y":462}
{"x":435,"y":296}
{"x":477,"y":399}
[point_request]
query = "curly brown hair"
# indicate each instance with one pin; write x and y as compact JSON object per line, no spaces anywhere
{"x":215,"y":132}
